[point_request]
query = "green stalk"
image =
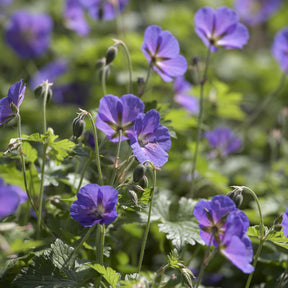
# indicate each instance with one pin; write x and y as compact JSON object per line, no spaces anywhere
{"x":146,"y":80}
{"x":116,"y":158}
{"x":103,"y":80}
{"x":83,"y":172}
{"x":148,"y":222}
{"x":126,"y":51}
{"x":47,"y":86}
{"x":262,"y":238}
{"x":96,"y":147}
{"x":200,"y":117}
{"x":100,"y":243}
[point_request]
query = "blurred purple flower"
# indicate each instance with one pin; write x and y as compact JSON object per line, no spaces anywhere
{"x":74,"y":16}
{"x":118,"y":114}
{"x":280,"y":48}
{"x":256,"y":11}
{"x":151,"y":141}
{"x":161,"y":49}
{"x":95,"y":204}
{"x":49,"y":72}
{"x":224,"y":226}
{"x":223,"y":141}
{"x":5,"y":2}
{"x":285,"y":223}
{"x":104,"y":9}
{"x":29,"y":34}
{"x":220,"y":28}
{"x":15,"y":97}
{"x":71,"y":93}
{"x":182,"y":88}
{"x":11,"y":197}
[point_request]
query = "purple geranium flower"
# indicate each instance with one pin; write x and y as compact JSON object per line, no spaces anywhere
{"x":29,"y":34}
{"x":74,"y":16}
{"x":95,"y":204}
{"x":118,"y":114}
{"x":223,"y":141}
{"x":151,"y":141}
{"x":49,"y":72}
{"x":256,"y":11}
{"x":161,"y":49}
{"x":285,"y":223}
{"x":182,"y":88}
{"x":5,"y":2}
{"x":104,"y":9}
{"x":11,"y":197}
{"x":224,"y":226}
{"x":280,"y":48}
{"x":15,"y":97}
{"x":220,"y":28}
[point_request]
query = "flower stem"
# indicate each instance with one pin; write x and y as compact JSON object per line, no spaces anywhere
{"x":96,"y":147}
{"x":100,"y":243}
{"x":116,"y":159}
{"x":83,"y":172}
{"x":262,"y":238}
{"x":39,"y":218}
{"x":148,"y":222}
{"x":142,"y":90}
{"x":200,"y":117}
{"x":47,"y":87}
{"x":126,"y":51}
{"x":103,"y":80}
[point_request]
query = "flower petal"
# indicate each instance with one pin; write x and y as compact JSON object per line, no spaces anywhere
{"x":226,"y":21}
{"x":168,"y":45}
{"x":204,"y":22}
{"x":151,"y":37}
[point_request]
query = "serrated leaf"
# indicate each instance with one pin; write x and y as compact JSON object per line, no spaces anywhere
{"x":110,"y":275}
{"x":278,"y":238}
{"x":60,"y":149}
{"x":177,"y":221}
{"x":180,"y":119}
{"x":30,"y":153}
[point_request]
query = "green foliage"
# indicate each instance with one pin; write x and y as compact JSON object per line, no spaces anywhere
{"x":177,"y":221}
{"x":110,"y":275}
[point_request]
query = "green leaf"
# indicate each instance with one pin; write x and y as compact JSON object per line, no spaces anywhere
{"x":60,"y":149}
{"x":110,"y":275}
{"x":181,"y":120}
{"x":278,"y":238}
{"x":30,"y":153}
{"x":177,"y":221}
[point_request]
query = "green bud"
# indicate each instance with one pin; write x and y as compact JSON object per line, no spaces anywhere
{"x":39,"y":91}
{"x":78,"y":126}
{"x":100,"y":63}
{"x":236,"y":196}
{"x":111,"y":54}
{"x":133,"y":196}
{"x":144,"y":182}
{"x":139,"y":172}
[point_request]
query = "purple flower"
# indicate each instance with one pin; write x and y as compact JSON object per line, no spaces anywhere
{"x":118,"y":114}
{"x":256,"y":11}
{"x":104,"y":9}
{"x":74,"y":16}
{"x":220,"y":28}
{"x":15,"y":95}
{"x":224,"y":226}
{"x":285,"y":223}
{"x":151,"y":141}
{"x":182,"y":88}
{"x":161,"y":49}
{"x":280,"y":48}
{"x":29,"y":34}
{"x":95,"y":204}
{"x":11,"y":197}
{"x":49,"y":72}
{"x":223,"y":141}
{"x":5,"y":2}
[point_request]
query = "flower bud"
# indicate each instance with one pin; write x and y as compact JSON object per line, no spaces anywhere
{"x":236,"y":196}
{"x":78,"y":126}
{"x":111,"y":54}
{"x":100,"y":63}
{"x":39,"y":91}
{"x":139,"y":173}
{"x":143,"y":182}
{"x":133,"y":196}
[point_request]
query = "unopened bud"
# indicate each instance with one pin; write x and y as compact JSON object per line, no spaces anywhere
{"x":111,"y":54}
{"x":139,"y":173}
{"x":144,"y":182}
{"x":133,"y":196}
{"x":236,"y":196}
{"x":100,"y":63}
{"x":40,"y":91}
{"x":78,"y":126}
{"x":195,"y":61}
